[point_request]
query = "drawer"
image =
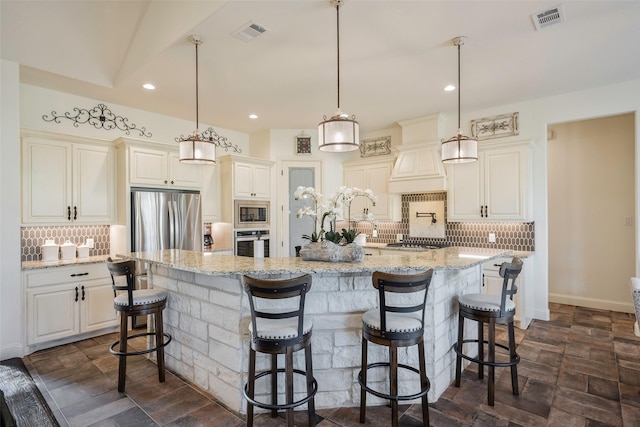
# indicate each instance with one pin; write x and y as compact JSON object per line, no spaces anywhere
{"x":66,"y":274}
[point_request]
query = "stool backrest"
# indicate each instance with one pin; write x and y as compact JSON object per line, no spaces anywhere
{"x":125,"y":268}
{"x":509,"y":271}
{"x":278,"y":289}
{"x":402,"y":284}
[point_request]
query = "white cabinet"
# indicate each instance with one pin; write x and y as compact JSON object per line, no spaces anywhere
{"x":210,"y":194}
{"x":492,"y":284}
{"x":162,"y":168}
{"x":495,"y":188}
{"x":374,"y":175}
{"x":67,"y":181}
{"x":251,"y":180}
{"x":63,"y":302}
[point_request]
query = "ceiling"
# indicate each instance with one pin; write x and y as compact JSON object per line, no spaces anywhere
{"x":395,"y":56}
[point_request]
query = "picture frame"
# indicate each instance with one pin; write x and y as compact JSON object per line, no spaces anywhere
{"x":303,"y":144}
{"x":375,"y":146}
{"x":499,"y":126}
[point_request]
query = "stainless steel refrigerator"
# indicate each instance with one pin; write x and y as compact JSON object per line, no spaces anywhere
{"x":163,"y":219}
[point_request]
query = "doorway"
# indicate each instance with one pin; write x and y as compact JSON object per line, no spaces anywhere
{"x":591,"y":194}
{"x":295,"y":174}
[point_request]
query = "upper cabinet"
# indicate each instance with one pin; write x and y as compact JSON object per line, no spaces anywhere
{"x":248,"y":178}
{"x":372,"y":174}
{"x":162,"y":168}
{"x":67,"y":180}
{"x":495,"y":188}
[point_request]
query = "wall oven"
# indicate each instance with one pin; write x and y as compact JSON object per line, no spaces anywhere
{"x":251,"y":214}
{"x":245,"y":242}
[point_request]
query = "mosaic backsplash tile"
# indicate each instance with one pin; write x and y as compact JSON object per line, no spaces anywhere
{"x":519,"y":236}
{"x":34,"y":237}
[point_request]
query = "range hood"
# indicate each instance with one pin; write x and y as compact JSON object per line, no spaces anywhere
{"x":419,"y":168}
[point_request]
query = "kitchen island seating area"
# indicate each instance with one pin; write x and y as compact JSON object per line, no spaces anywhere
{"x":278,"y":326}
{"x":491,"y":310}
{"x":398,"y":321}
{"x":131,"y":303}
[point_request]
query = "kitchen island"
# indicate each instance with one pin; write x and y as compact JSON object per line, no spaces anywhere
{"x":208,"y":315}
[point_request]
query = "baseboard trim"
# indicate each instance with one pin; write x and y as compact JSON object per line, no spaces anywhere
{"x":592,"y":303}
{"x":11,"y":351}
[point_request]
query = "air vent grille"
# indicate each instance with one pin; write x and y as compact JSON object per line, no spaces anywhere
{"x":250,"y":31}
{"x":548,"y":17}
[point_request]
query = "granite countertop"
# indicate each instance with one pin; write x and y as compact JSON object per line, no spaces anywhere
{"x":32,"y":265}
{"x":453,"y":258}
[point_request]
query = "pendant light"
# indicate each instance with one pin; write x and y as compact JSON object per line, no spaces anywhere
{"x":200,"y":148}
{"x":459,"y":148}
{"x":339,"y":133}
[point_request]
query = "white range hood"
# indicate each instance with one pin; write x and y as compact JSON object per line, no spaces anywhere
{"x":419,"y":168}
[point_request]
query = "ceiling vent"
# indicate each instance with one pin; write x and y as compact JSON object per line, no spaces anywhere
{"x":548,"y":17}
{"x":250,"y":31}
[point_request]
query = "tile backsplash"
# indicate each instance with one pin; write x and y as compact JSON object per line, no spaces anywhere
{"x":34,"y":237}
{"x":519,"y":236}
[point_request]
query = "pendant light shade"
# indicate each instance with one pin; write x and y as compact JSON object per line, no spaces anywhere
{"x":459,"y":148}
{"x":340,"y":132}
{"x":200,"y":148}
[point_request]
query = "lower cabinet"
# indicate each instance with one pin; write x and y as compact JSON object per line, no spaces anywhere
{"x":63,"y":302}
{"x":492,"y":284}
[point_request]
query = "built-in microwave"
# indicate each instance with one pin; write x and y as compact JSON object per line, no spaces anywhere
{"x":251,"y":214}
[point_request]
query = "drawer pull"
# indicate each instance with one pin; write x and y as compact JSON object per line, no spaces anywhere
{"x":82,"y":292}
{"x":76,"y":294}
{"x":79,"y":274}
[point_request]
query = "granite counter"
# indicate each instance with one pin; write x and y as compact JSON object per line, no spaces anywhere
{"x":208,"y":315}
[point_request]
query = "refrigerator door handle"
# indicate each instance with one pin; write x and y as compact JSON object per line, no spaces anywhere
{"x":172,"y":227}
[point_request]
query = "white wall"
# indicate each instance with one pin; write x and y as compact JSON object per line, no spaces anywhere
{"x":11,"y":301}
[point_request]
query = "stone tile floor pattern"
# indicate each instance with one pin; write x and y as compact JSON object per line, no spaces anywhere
{"x":582,"y":368}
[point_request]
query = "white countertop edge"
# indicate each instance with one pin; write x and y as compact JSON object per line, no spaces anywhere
{"x":33,"y":265}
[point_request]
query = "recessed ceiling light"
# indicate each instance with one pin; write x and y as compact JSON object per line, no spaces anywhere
{"x":449,"y":88}
{"x":148,"y":86}
{"x":253,"y":116}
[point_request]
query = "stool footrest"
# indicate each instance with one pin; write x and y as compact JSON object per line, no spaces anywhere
{"x":284,"y":405}
{"x":512,"y":362}
{"x":418,"y":395}
{"x":167,"y":340}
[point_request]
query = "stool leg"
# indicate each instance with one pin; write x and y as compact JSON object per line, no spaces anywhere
{"x":459,"y":346}
{"x":311,"y":406}
{"x":122,"y":360}
{"x":513,"y":354}
{"x":393,"y":380}
{"x":492,"y":359}
{"x":159,"y":341}
{"x":274,"y":384}
{"x":251,"y":384}
{"x":289,"y":384}
{"x":423,"y":384}
{"x":480,"y":349}
{"x":363,"y":392}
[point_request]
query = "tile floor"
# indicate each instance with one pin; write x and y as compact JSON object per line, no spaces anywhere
{"x":582,"y":368}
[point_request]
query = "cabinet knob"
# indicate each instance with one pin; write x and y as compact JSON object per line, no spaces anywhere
{"x":172,"y":182}
{"x":166,"y":182}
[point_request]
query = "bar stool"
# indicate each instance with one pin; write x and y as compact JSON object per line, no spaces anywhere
{"x":491,"y":309}
{"x":281,"y":330}
{"x":136,"y":303}
{"x":395,"y":324}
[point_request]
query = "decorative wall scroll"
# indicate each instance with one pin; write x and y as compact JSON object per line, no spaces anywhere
{"x":375,"y":146}
{"x":495,"y":127}
{"x":99,"y":117}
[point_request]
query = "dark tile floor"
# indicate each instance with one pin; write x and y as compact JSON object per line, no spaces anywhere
{"x":582,"y":368}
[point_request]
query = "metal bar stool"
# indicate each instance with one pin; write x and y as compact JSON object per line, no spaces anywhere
{"x":397,"y":322}
{"x":491,"y":309}
{"x":281,"y":330}
{"x":136,"y":303}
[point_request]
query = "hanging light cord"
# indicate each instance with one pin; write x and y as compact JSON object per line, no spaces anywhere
{"x":338,"y":49}
{"x":197,"y":42}
{"x":459,"y":89}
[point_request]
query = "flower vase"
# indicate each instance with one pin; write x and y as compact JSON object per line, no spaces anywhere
{"x":331,"y":252}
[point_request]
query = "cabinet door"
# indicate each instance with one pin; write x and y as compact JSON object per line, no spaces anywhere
{"x":377,"y":181}
{"x":356,"y":177}
{"x":243,"y":180}
{"x":93,"y":184}
{"x":185,"y":175}
{"x":96,"y":302}
{"x":261,"y":181}
{"x":210,"y":194}
{"x":46,"y":181}
{"x":148,"y":167}
{"x":504,"y":184}
{"x":53,"y":313}
{"x":465,"y":194}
